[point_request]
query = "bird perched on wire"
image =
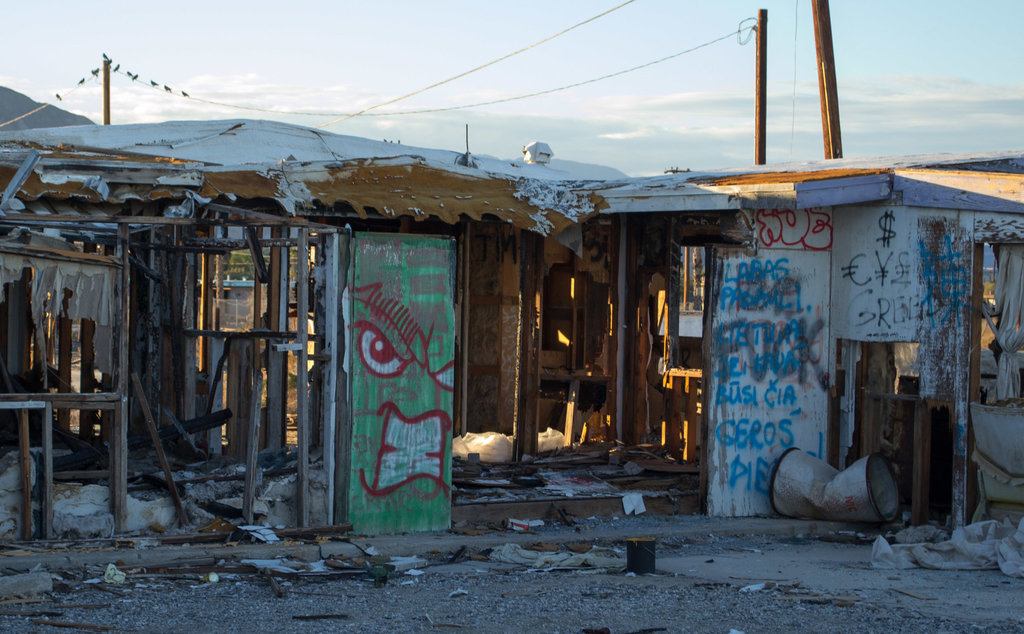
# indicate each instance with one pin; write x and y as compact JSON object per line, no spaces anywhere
{"x":185,"y":94}
{"x":153,"y":84}
{"x":167,"y":88}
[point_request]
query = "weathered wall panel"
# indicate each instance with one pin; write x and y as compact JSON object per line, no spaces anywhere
{"x":876,"y":289}
{"x":403,"y":335}
{"x":768,"y":370}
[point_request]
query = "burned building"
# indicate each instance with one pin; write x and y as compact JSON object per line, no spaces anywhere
{"x":337,"y":313}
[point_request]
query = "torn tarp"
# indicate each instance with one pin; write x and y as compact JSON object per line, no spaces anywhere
{"x":979,"y":546}
{"x":601,"y":558}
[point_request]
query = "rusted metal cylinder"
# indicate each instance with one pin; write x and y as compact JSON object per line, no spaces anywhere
{"x":804,"y":486}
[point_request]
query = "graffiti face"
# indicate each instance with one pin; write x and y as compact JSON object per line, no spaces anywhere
{"x":402,"y":342}
{"x":394,"y":349}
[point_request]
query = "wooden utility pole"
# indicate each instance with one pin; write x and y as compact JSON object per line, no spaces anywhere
{"x":106,"y":91}
{"x":761,"y":87}
{"x":827,"y":80}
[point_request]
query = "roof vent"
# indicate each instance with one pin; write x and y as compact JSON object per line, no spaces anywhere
{"x":537,"y":152}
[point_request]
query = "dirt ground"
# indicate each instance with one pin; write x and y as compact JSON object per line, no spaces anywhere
{"x":705,"y":581}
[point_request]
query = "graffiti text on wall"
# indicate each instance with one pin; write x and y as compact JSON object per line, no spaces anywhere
{"x":770,"y":352}
{"x":800,"y":228}
{"x":944,"y":273}
{"x":882,"y":278}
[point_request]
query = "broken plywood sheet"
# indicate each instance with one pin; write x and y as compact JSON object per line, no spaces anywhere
{"x":575,"y":484}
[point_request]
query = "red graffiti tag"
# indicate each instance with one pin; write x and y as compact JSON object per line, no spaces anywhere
{"x":804,"y":228}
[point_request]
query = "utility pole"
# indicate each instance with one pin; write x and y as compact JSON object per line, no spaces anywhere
{"x":761,"y":87}
{"x":827,"y":80}
{"x":106,"y":91}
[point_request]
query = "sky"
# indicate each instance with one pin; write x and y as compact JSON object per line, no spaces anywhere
{"x":914,"y":77}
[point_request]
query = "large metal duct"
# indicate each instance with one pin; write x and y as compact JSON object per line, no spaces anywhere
{"x":804,"y":486}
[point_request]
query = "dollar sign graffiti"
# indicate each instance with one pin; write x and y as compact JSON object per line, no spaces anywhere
{"x":885,"y":224}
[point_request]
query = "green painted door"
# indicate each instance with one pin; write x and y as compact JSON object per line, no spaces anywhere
{"x":403,"y":353}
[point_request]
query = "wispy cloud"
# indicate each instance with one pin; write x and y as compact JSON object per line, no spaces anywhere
{"x":638,"y":134}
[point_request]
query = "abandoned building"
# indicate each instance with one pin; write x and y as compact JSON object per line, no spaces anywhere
{"x":321,"y":319}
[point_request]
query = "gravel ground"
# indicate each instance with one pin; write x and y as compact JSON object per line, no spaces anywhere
{"x":497,"y":601}
{"x":709,"y":579}
{"x":703,"y":594}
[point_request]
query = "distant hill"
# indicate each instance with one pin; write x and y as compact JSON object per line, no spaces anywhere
{"x":14,"y":104}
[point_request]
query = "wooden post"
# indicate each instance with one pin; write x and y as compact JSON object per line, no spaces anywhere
{"x":761,"y":87}
{"x":119,"y":434}
{"x":343,"y":397}
{"x":570,"y":410}
{"x":161,"y":457}
{"x":277,"y":314}
{"x":302,"y":378}
{"x":329,"y":374}
{"x":46,"y":513}
{"x":25,"y":463}
{"x":827,"y":80}
{"x":922,"y":462}
{"x":252,"y":448}
{"x":106,"y":91}
{"x":531,"y":253}
{"x":692,"y":431}
{"x":87,"y":378}
{"x":673,"y":416}
{"x":64,"y":359}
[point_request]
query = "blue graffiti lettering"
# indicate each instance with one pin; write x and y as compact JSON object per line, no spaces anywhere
{"x":746,"y":433}
{"x":735,"y":393}
{"x":751,"y":474}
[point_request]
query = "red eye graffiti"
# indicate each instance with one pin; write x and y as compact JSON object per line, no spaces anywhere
{"x":377,"y":352}
{"x":382,"y":359}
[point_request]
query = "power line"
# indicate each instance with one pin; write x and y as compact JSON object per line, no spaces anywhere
{"x":567,"y":87}
{"x":481,"y":67}
{"x":165,"y":89}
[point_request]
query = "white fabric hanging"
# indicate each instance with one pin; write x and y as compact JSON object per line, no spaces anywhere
{"x":1009,"y":296}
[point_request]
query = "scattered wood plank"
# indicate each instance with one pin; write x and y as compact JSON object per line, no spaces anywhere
{"x":252,"y":448}
{"x":911,"y":593}
{"x":20,"y":601}
{"x":25,"y":462}
{"x":73,"y":625}
{"x":275,"y":585}
{"x":31,"y":613}
{"x":438,"y":624}
{"x":318,"y":617}
{"x":154,"y":434}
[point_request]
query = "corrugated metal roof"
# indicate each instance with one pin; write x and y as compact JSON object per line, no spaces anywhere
{"x":303,"y":170}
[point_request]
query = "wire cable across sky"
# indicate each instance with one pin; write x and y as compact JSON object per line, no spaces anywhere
{"x":365,"y":113}
{"x":481,"y":67}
